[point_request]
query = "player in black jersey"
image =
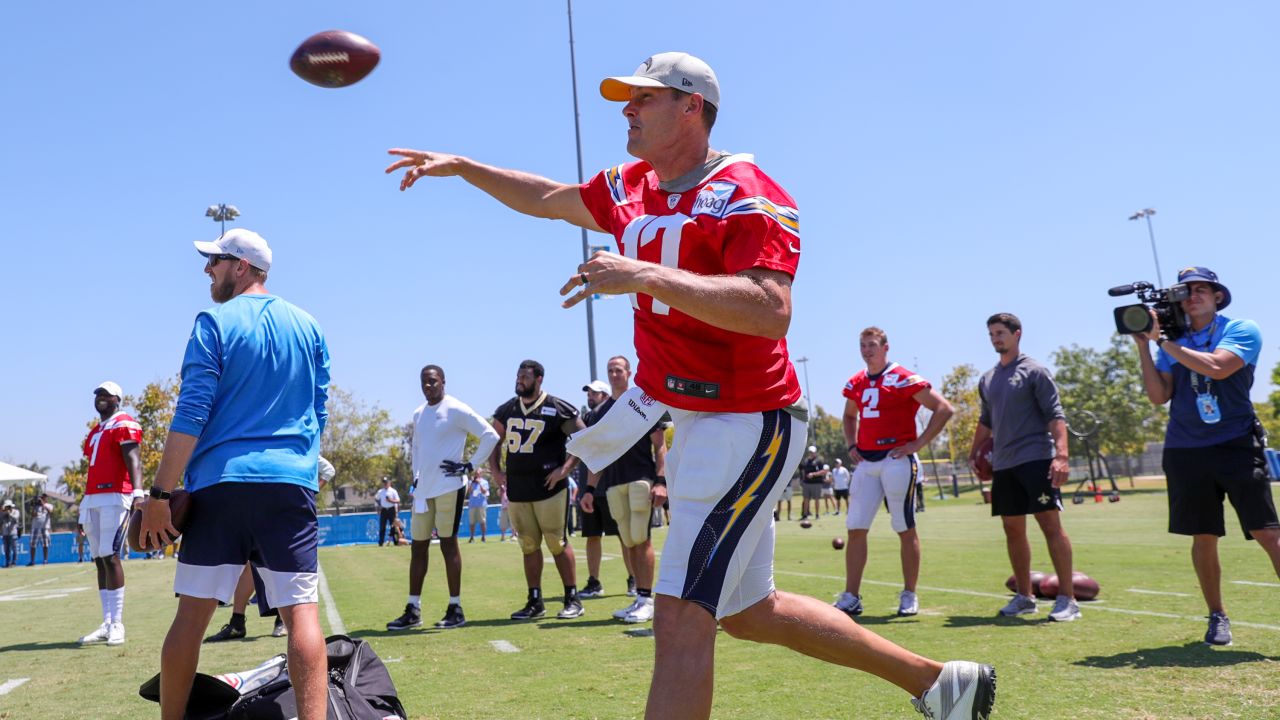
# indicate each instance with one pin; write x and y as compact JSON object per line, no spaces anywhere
{"x":534,"y":428}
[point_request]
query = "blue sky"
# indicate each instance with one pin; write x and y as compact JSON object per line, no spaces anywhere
{"x":949,"y":161}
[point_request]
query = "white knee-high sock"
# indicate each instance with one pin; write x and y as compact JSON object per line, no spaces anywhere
{"x":117,"y":604}
{"x":104,"y":596}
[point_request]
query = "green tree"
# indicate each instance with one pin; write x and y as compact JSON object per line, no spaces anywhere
{"x":358,"y":440}
{"x":153,"y":409}
{"x":1108,"y":383}
{"x":828,"y":436}
{"x":960,"y":388}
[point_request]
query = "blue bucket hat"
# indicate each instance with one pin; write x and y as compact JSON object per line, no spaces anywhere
{"x":1205,"y":275}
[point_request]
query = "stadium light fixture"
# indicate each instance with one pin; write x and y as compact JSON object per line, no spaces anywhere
{"x":1147,"y":213}
{"x":221,"y":213}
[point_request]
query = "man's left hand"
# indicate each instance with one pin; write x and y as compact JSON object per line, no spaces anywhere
{"x":453,"y":468}
{"x":910,"y":448}
{"x":555,"y":476}
{"x":157,"y":525}
{"x":658,"y":495}
{"x":1059,"y":471}
{"x":606,"y":273}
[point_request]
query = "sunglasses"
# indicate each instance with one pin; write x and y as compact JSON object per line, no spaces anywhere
{"x":215,"y":259}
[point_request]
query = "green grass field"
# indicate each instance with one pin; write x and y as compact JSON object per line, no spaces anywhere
{"x":1133,"y":655}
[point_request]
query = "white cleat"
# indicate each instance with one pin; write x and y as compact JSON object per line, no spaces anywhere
{"x":908,"y":604}
{"x":115,"y":634}
{"x":643,"y":611}
{"x":964,"y":691}
{"x":97,"y":636}
{"x":622,"y":613}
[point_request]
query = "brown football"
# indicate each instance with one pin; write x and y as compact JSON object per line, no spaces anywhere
{"x":837,"y":543}
{"x":1086,"y":588}
{"x":334,"y":59}
{"x":806,"y":524}
{"x":982,"y":461}
{"x":179,"y":509}
{"x":1036,"y":577}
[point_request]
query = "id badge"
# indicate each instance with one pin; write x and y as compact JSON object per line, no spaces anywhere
{"x":1207,"y":404}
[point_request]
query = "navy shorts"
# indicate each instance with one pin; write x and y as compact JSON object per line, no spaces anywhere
{"x":271,"y":525}
{"x":600,"y":522}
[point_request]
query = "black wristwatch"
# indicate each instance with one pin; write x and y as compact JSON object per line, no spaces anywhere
{"x":158,"y":494}
{"x":660,"y":480}
{"x":1160,"y":341}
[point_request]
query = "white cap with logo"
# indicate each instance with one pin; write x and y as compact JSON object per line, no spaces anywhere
{"x":241,"y":243}
{"x":596,"y":386}
{"x":109,"y":388}
{"x":677,"y":70}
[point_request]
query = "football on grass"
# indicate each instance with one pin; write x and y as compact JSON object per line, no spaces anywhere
{"x":837,"y":543}
{"x":1086,"y":588}
{"x":806,"y":524}
{"x":1036,"y":577}
{"x":334,"y":59}
{"x":179,"y":509}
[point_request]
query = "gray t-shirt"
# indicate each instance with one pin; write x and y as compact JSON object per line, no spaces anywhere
{"x":1018,"y":402}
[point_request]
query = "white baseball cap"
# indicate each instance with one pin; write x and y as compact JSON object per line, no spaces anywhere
{"x":677,"y":70}
{"x":109,"y":388}
{"x":241,"y":243}
{"x":596,"y":386}
{"x":813,"y":448}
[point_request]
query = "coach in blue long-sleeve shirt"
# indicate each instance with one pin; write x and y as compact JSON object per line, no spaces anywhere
{"x":245,"y":439}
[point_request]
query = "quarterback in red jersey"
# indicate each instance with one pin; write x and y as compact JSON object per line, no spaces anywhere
{"x":880,"y":427}
{"x":115,"y":472}
{"x":708,"y":248}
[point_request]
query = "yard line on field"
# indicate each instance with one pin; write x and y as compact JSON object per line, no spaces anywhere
{"x":503,"y":646}
{"x":330,"y":607}
{"x":1157,"y":592}
{"x":1087,"y":606}
{"x":44,"y":582}
{"x":50,"y":594}
{"x":12,"y":684}
{"x":1257,"y":584}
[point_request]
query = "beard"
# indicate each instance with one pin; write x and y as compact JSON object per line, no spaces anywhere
{"x":527,"y":392}
{"x":223,"y":291}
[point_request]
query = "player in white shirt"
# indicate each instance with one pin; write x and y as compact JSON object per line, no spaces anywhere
{"x":440,"y":429}
{"x":388,"y":501}
{"x":840,"y":477}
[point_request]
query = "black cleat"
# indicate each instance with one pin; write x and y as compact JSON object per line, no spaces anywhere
{"x":592,"y":589}
{"x":411,"y":618}
{"x":531,"y":610}
{"x":453,"y":618}
{"x":228,"y":632}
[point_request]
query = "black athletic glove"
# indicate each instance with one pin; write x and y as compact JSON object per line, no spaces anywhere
{"x":455,"y":469}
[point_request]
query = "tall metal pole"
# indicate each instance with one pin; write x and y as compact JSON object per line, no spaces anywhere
{"x":808,"y":398}
{"x":1151,"y":233}
{"x":577,"y":138}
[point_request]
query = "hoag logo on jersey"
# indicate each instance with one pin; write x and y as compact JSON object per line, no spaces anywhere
{"x":713,"y":199}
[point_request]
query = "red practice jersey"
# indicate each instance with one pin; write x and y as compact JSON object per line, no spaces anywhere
{"x":107,"y":471}
{"x":735,"y":219}
{"x":886,"y":407}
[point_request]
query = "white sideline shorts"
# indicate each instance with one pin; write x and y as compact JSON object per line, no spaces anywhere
{"x":105,"y":517}
{"x":890,"y":482}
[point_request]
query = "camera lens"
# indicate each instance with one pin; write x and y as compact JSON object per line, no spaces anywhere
{"x":1134,"y":319}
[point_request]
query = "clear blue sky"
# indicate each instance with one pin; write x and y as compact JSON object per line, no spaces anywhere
{"x":949,"y":161}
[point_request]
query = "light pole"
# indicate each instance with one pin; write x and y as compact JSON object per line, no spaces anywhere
{"x":586,"y":251}
{"x":1147,"y":213}
{"x":221,"y":213}
{"x":808,"y":399}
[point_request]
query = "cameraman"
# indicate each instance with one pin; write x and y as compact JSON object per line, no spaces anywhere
{"x":1213,"y":436}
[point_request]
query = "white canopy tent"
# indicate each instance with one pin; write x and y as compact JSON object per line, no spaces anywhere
{"x":21,"y":477}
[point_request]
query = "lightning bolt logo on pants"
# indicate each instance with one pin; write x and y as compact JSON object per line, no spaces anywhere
{"x":769,"y":458}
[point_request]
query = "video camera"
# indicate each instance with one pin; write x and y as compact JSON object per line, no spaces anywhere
{"x":1166,"y":302}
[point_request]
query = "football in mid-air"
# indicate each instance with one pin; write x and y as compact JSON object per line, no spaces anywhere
{"x":334,"y":58}
{"x":1086,"y":588}
{"x":179,"y":508}
{"x":837,"y":543}
{"x":982,"y":461}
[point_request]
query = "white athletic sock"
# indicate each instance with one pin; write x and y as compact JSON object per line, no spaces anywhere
{"x":117,"y":604}
{"x":415,"y":600}
{"x":455,"y":600}
{"x":104,"y":596}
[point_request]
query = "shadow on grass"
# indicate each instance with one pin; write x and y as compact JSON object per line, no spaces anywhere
{"x":23,"y":647}
{"x":893,"y":619}
{"x":1192,"y":654}
{"x":966,"y":621}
